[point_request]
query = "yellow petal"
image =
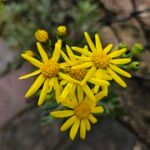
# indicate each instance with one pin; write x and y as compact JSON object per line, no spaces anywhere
{"x":42,"y":52}
{"x":108,"y":48}
{"x":98,"y":109}
{"x":120,"y":61}
{"x":66,"y":58}
{"x":72,"y":95}
{"x":62,"y":113}
{"x":74,"y":129}
{"x":30,"y":74}
{"x":99,"y":82}
{"x":68,"y":78}
{"x":80,"y":93}
{"x":82,"y":50}
{"x":51,"y":84}
{"x":82,"y":129}
{"x":83,"y":66}
{"x":120,"y":71}
{"x":35,"y":86}
{"x":88,"y":92}
{"x":116,"y":78}
{"x":56,"y":53}
{"x":32,"y":60}
{"x":92,"y":119}
{"x":70,"y":53}
{"x":88,"y":125}
{"x":117,"y":53}
{"x":68,"y":123}
{"x":98,"y":43}
{"x":89,"y":41}
{"x":57,"y":90}
{"x":66,"y":90}
{"x":101,"y":94}
{"x":43,"y":92}
{"x":88,"y":75}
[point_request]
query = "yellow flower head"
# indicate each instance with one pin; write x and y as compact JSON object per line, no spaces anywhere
{"x":48,"y":70}
{"x":41,"y":35}
{"x":29,"y":53}
{"x":80,"y":109}
{"x":105,"y":60}
{"x":73,"y":78}
{"x":61,"y":30}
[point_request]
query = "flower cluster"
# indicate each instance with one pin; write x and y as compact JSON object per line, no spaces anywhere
{"x":79,"y":76}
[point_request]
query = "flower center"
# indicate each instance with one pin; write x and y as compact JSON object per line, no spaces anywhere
{"x":83,"y":110}
{"x":77,"y":74}
{"x":50,"y":69}
{"x":101,"y":60}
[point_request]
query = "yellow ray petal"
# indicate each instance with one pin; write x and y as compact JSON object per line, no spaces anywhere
{"x":88,"y":125}
{"x":30,"y":74}
{"x":117,"y":53}
{"x":68,"y":78}
{"x":67,"y":90}
{"x":105,"y":75}
{"x":63,"y":82}
{"x":120,"y":71}
{"x":42,"y":52}
{"x":116,"y":78}
{"x":43,"y":92}
{"x":74,"y":129}
{"x":92,"y":119}
{"x":35,"y":86}
{"x":98,"y":43}
{"x":57,"y":49}
{"x":68,"y":123}
{"x":101,"y":94}
{"x":63,"y":65}
{"x":108,"y":48}
{"x":89,"y":41}
{"x":32,"y":60}
{"x":72,"y":95}
{"x":88,"y":75}
{"x":88,"y":92}
{"x":51,"y":84}
{"x":83,"y":66}
{"x":80,"y":94}
{"x":62,"y":113}
{"x":98,"y":109}
{"x":82,"y":51}
{"x":57,"y":90}
{"x":99,"y":82}
{"x":120,"y":61}
{"x":70,"y":53}
{"x":82,"y":129}
{"x":66,"y":58}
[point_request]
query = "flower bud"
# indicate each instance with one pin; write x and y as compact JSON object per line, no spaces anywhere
{"x":61,"y":30}
{"x":136,"y":49}
{"x":41,"y":35}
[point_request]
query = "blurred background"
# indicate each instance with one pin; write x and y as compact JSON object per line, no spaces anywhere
{"x":116,"y":21}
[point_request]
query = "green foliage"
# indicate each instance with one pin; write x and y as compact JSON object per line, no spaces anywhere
{"x":112,"y":105}
{"x":19,"y":20}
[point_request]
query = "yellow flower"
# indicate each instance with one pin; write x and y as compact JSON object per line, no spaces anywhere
{"x":78,"y":78}
{"x":48,"y":70}
{"x":103,"y":59}
{"x":61,"y":30}
{"x":29,"y":53}
{"x":41,"y":35}
{"x":80,"y":109}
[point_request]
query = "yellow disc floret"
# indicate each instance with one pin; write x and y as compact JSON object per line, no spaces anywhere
{"x":78,"y":74}
{"x":101,"y":60}
{"x":49,"y":69}
{"x":41,"y":35}
{"x":83,"y":110}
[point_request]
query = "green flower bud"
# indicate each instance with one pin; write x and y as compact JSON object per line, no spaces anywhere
{"x":136,"y":49}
